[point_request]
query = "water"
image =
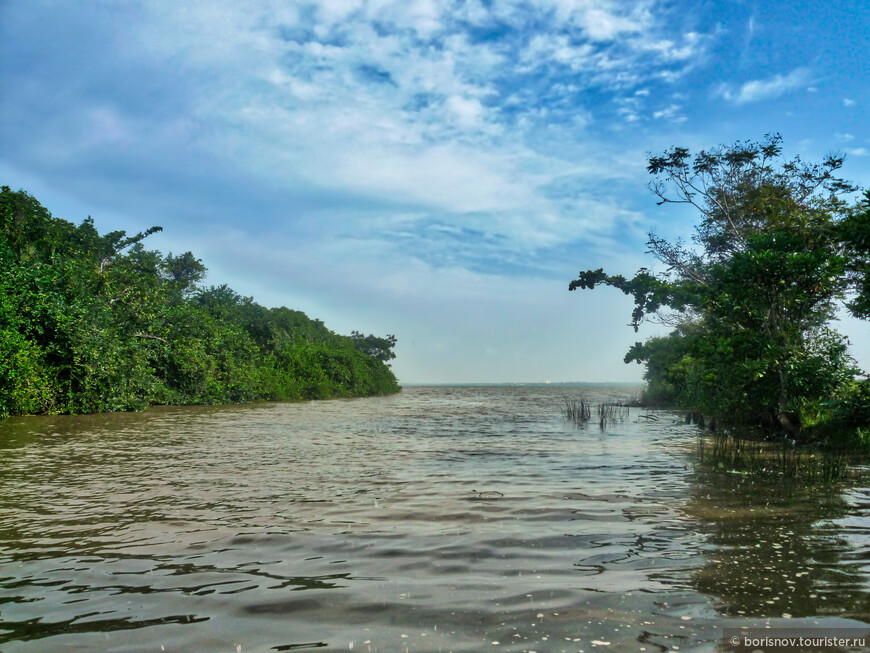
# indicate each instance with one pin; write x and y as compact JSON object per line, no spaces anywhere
{"x":440,"y":519}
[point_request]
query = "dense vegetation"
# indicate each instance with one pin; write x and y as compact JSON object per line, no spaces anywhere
{"x":92,"y":322}
{"x":777,"y":249}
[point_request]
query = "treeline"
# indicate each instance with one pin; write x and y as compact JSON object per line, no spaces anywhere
{"x":92,"y":323}
{"x":778,"y":248}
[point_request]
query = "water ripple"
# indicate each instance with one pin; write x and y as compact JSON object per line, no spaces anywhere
{"x":438,"y":519}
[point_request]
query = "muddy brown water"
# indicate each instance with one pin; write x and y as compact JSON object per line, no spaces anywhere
{"x":439,"y":519}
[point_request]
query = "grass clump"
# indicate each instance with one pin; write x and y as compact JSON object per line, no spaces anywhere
{"x":580,"y":412}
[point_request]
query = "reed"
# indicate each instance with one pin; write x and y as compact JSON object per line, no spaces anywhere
{"x":579,"y":411}
{"x":736,"y":453}
{"x":612,"y":413}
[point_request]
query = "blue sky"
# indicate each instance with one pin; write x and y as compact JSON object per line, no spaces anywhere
{"x":436,"y":169}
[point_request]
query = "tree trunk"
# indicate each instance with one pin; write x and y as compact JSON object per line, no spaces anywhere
{"x":788,"y":421}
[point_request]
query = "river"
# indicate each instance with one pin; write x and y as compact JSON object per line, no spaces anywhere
{"x":439,"y":519}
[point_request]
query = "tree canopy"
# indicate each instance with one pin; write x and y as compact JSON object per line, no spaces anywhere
{"x":92,"y":322}
{"x":776,"y":249}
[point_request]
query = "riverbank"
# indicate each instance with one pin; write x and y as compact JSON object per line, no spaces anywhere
{"x":94,"y":322}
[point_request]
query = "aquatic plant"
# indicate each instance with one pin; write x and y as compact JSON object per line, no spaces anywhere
{"x":579,"y":411}
{"x":735,"y":452}
{"x":611,"y":413}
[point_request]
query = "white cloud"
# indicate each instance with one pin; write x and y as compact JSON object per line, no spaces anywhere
{"x":468,"y":112}
{"x":547,"y":48}
{"x":671,"y":113}
{"x":603,"y":20}
{"x":848,"y":102}
{"x":766,"y":89}
{"x":669,"y":50}
{"x":370,"y":110}
{"x":412,"y":115}
{"x":335,"y":11}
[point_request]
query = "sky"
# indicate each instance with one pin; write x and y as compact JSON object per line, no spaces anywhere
{"x":435,"y":169}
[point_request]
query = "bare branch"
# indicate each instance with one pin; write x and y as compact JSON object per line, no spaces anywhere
{"x":150,"y":337}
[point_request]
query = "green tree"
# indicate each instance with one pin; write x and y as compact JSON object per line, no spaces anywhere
{"x":371,"y":345}
{"x":755,"y":291}
{"x":854,"y":233}
{"x":96,"y":322}
{"x":183,"y":272}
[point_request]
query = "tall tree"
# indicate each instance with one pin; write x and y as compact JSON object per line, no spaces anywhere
{"x":759,"y":282}
{"x":854,"y":232}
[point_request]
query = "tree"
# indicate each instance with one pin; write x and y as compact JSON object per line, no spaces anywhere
{"x":184,"y":272}
{"x":854,"y":233}
{"x":371,"y":345}
{"x":758,"y":286}
{"x":92,"y":322}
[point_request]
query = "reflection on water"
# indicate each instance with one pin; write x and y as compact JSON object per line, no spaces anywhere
{"x":782,"y":549}
{"x":441,"y":519}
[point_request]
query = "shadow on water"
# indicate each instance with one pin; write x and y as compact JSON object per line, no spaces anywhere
{"x":782,"y":549}
{"x":34,"y":629}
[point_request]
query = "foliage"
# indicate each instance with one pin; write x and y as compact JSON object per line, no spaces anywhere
{"x":776,"y":248}
{"x":854,"y":233}
{"x":92,"y":322}
{"x":380,"y":348}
